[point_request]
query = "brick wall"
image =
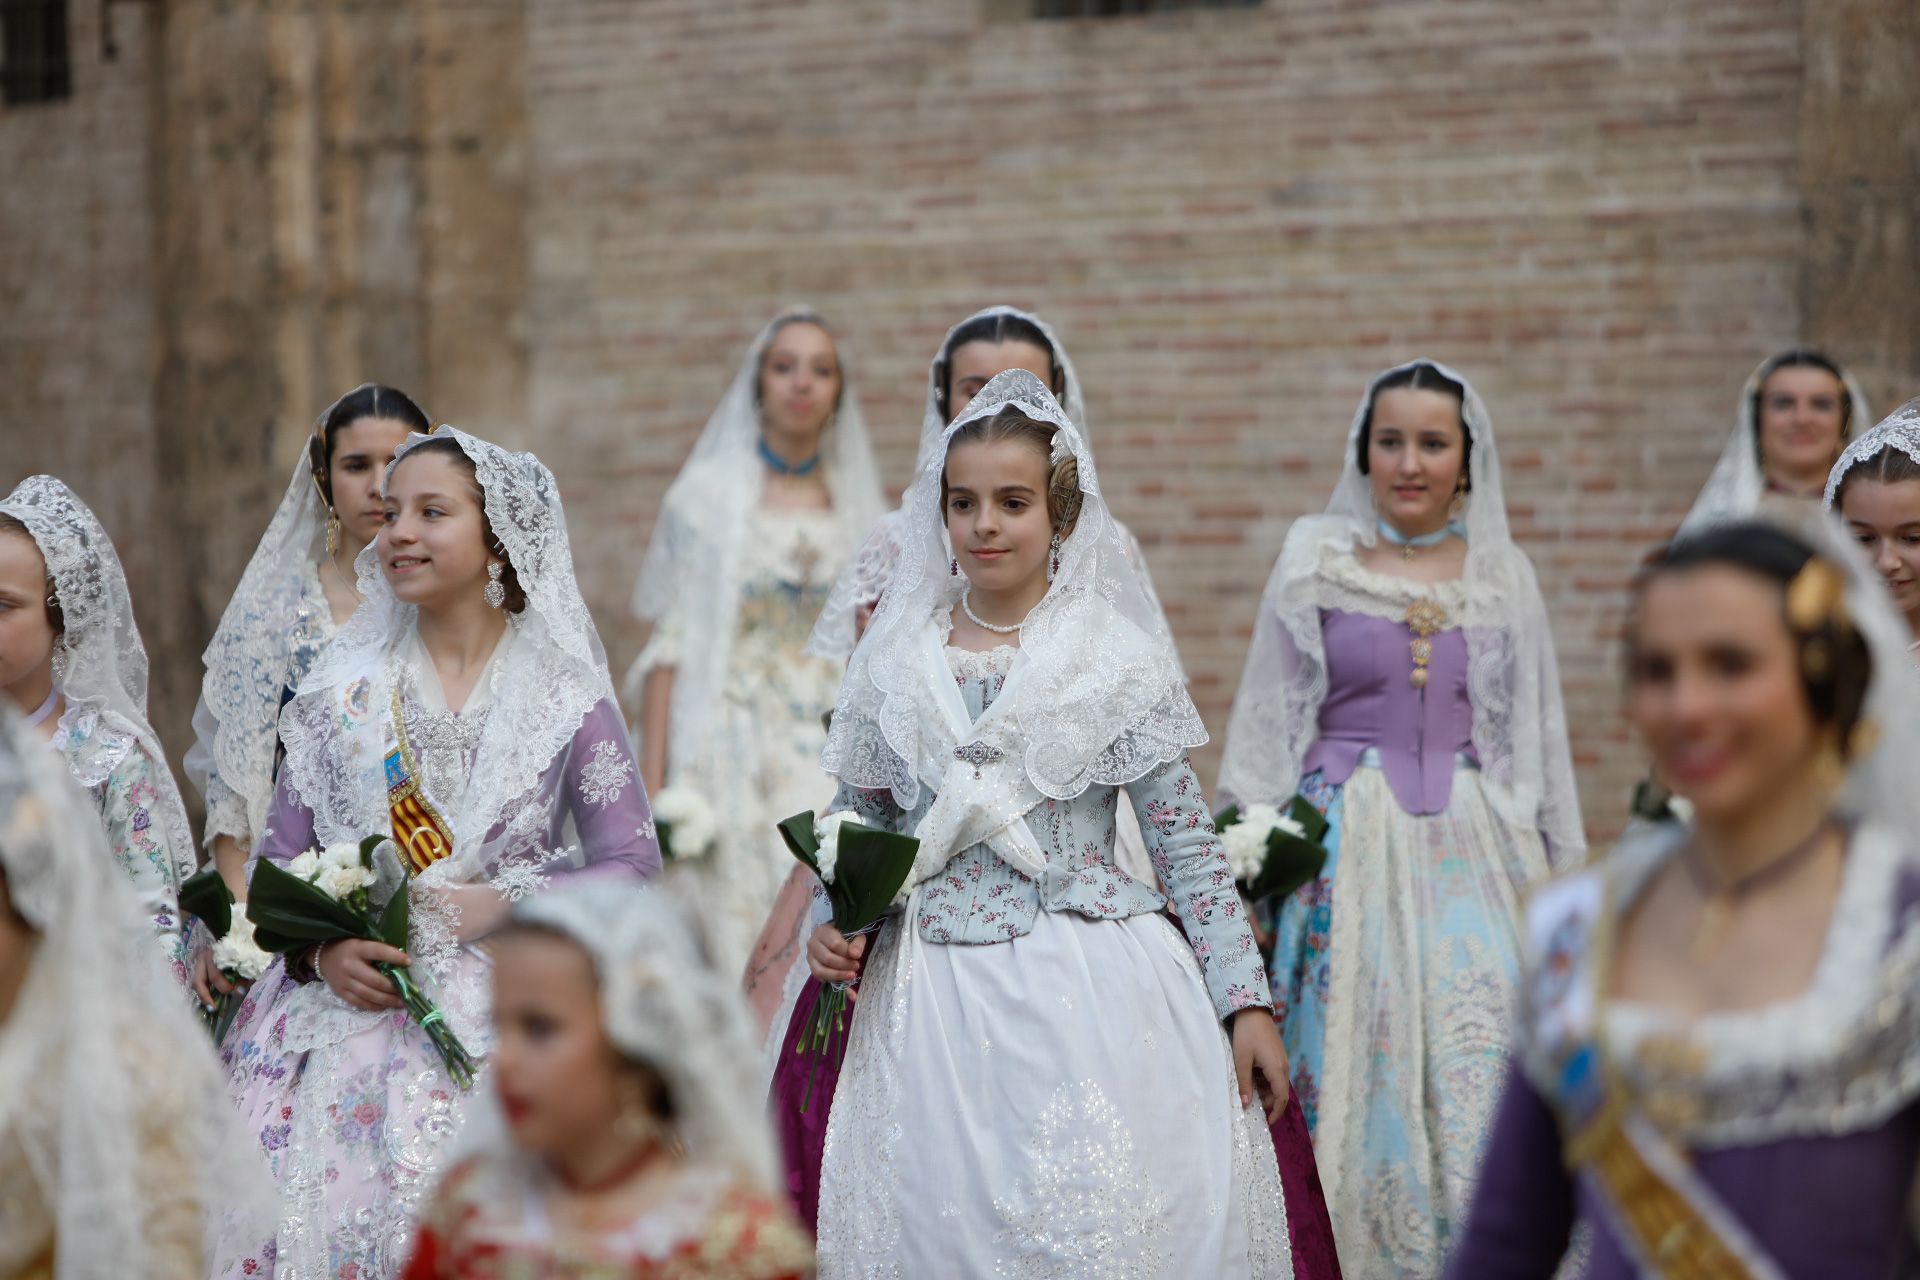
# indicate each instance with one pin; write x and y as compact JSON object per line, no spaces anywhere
{"x":1233,"y":218}
{"x":562,"y":223}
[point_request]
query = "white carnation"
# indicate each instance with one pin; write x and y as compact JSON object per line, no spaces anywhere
{"x":338,"y":882}
{"x":343,"y":853}
{"x":238,"y":953}
{"x":1246,"y":840}
{"x":827,"y":831}
{"x":306,"y":866}
{"x":1246,"y":849}
{"x":695,"y":829}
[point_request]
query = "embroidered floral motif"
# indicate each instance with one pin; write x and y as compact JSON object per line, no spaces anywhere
{"x":606,"y":774}
{"x":1089,"y":1206}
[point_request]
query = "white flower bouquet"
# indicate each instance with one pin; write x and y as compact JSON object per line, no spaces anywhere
{"x":685,"y":824}
{"x":1272,"y":851}
{"x":206,"y":897}
{"x":321,"y":896}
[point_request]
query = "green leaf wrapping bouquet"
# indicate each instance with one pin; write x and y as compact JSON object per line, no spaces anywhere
{"x":327,"y":895}
{"x":236,"y":953}
{"x":1273,"y":851}
{"x":864,"y":871}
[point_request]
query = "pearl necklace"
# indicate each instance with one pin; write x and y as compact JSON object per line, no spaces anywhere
{"x":966,"y":607}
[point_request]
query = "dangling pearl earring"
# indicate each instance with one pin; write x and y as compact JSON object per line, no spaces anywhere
{"x":1053,"y":562}
{"x":495,"y":593}
{"x":333,"y":532}
{"x":1459,"y":503}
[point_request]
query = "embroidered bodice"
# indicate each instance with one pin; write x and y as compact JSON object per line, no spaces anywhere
{"x":1372,"y":703}
{"x":977,"y":898}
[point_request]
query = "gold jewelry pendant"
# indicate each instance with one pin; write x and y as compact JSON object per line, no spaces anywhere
{"x":1423,"y":618}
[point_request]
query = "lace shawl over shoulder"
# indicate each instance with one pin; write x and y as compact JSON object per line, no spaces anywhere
{"x":1099,"y":696}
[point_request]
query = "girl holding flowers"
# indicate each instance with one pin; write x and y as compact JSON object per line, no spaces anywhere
{"x":464,"y":710}
{"x":1042,"y":1076}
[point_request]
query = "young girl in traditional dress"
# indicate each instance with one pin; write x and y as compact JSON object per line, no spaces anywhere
{"x":466,"y":711}
{"x":71,"y":660}
{"x":1875,"y":491}
{"x":1043,"y":1077}
{"x":1717,"y":1068}
{"x":1797,"y":411}
{"x":119,"y":1152}
{"x":778,"y":491}
{"x":297,"y":591}
{"x":1402,"y":678}
{"x":621,"y":1146}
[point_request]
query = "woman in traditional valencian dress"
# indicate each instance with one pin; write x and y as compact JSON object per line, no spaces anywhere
{"x":1797,"y":411}
{"x":621,"y":1145}
{"x":1040,"y":1077}
{"x":778,"y":491}
{"x":119,"y":1151}
{"x":71,"y":660}
{"x":298,"y":589}
{"x":465,"y":710}
{"x":1875,"y":491}
{"x":1717,"y":1068}
{"x":1402,"y":678}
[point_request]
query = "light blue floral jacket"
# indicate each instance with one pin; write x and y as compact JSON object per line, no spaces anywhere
{"x":978,"y":899}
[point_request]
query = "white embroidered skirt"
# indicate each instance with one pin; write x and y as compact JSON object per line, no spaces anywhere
{"x":1057,"y":1105}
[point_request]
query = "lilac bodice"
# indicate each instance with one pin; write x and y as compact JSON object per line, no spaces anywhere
{"x":1371,"y":702}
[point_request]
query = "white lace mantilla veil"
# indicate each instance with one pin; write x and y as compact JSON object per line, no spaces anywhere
{"x":552,"y":674}
{"x":872,"y":567}
{"x":1735,"y":486}
{"x":99,"y":663}
{"x":113,"y":1108}
{"x":237,"y":718}
{"x":663,"y":1004}
{"x":1899,"y":431}
{"x":1095,"y":695}
{"x":692,"y":562}
{"x":1519,"y":719}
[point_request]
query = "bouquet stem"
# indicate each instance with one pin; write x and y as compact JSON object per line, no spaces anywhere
{"x":459,"y":1063}
{"x":826,"y":1031}
{"x":225,"y":1010}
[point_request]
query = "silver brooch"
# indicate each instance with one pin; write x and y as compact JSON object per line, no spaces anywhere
{"x":978,"y":754}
